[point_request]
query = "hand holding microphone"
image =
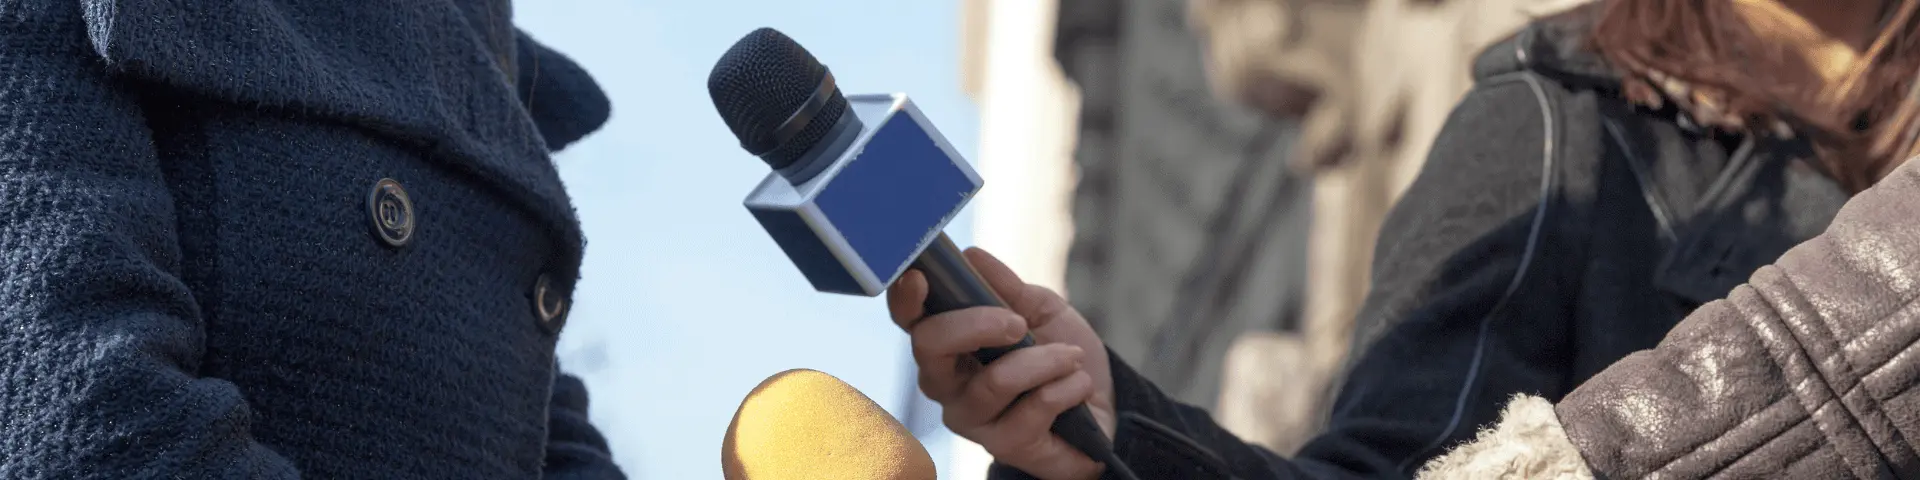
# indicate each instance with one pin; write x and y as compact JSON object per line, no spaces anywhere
{"x":861,"y":187}
{"x":1067,"y":366}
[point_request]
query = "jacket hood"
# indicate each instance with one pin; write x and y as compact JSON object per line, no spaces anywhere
{"x":1554,"y":46}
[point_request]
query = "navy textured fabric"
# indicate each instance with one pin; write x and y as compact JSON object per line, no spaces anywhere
{"x":191,"y":281}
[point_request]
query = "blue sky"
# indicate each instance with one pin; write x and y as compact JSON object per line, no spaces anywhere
{"x":685,"y":303}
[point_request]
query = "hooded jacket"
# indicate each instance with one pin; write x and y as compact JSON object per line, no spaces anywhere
{"x":1529,"y":291}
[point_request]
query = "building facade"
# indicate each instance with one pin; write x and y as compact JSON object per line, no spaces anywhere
{"x":1189,"y":230}
{"x":1027,"y":112}
{"x":1162,"y":212}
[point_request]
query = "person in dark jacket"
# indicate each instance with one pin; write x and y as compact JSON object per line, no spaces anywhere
{"x":1614,"y":168}
{"x":285,"y":240}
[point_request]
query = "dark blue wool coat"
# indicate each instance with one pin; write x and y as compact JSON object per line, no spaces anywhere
{"x":200,"y":279}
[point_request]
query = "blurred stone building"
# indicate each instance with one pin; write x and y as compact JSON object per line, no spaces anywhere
{"x":1028,"y":116}
{"x":1165,"y":214}
{"x":1221,"y":246}
{"x":1189,"y":229}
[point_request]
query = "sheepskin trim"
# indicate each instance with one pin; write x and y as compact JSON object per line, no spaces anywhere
{"x":1528,"y":443}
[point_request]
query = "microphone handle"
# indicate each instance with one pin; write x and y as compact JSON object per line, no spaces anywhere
{"x":952,"y":284}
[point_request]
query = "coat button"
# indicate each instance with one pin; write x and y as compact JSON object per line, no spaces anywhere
{"x":392,"y":212}
{"x":549,"y":306}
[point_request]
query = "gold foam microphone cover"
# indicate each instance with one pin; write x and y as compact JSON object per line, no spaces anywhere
{"x":807,"y":425}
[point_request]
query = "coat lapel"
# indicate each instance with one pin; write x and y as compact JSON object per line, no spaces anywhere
{"x":428,"y":74}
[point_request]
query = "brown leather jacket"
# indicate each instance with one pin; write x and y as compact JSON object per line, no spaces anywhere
{"x":1807,"y":371}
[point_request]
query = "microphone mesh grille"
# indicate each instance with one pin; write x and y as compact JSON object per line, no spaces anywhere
{"x":759,"y":82}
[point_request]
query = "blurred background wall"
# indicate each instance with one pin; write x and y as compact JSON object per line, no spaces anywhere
{"x":1189,"y":230}
{"x":1165,"y":214}
{"x":1027,"y":118}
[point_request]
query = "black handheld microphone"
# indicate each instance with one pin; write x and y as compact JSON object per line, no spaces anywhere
{"x":862,"y":186}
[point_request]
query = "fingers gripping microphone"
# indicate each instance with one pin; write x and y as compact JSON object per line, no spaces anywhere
{"x":804,"y":424}
{"x":862,"y":186}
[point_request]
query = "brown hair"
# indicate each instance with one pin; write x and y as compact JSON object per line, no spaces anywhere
{"x":1702,"y":43}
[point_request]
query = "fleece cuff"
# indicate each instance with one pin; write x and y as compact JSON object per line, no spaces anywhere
{"x":1528,"y":443}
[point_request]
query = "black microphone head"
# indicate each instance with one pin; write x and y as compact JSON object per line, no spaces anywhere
{"x":760,"y":83}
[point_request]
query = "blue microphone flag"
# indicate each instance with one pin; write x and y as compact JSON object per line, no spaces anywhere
{"x":856,"y":226}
